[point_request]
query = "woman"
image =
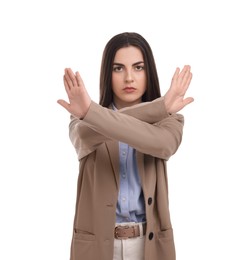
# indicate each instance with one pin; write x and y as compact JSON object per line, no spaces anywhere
{"x":123,"y":144}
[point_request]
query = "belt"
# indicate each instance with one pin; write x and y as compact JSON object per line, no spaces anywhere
{"x":125,"y":232}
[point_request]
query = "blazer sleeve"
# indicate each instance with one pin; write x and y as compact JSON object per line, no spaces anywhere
{"x":85,"y":139}
{"x":160,"y":139}
{"x":149,"y":112}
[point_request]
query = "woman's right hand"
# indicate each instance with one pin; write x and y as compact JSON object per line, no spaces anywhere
{"x":175,"y":96}
{"x":79,"y":99}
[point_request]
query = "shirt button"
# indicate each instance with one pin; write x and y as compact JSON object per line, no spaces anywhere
{"x":123,"y":199}
{"x":124,"y":176}
{"x":124,"y":153}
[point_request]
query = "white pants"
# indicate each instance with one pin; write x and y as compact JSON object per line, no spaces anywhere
{"x":131,"y":248}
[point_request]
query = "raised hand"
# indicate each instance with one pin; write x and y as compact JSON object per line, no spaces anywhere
{"x":79,"y":100}
{"x":175,"y":96}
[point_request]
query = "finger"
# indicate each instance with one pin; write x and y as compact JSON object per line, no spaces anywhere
{"x":176,"y":74}
{"x":68,"y":79}
{"x":72,"y":77}
{"x":64,"y":104}
{"x":185,"y":70}
{"x":187,"y":101}
{"x":80,"y":81}
{"x":185,"y":77}
{"x":181,"y":76}
{"x":66,"y":85}
{"x":187,"y":81}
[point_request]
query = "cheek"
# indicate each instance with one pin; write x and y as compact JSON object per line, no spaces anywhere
{"x":115,"y":85}
{"x":144,"y":90}
{"x":115,"y":80}
{"x":143,"y":83}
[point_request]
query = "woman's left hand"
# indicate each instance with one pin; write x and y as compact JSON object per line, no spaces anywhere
{"x":175,"y":96}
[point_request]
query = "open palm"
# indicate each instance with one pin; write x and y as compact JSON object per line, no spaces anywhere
{"x":175,"y":96}
{"x":79,"y":100}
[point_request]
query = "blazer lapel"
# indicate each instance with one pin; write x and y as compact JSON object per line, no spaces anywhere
{"x":147,"y":173}
{"x":113,"y":150}
{"x":140,"y":163}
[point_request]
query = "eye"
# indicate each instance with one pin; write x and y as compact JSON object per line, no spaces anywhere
{"x":139,"y":67}
{"x":117,"y":68}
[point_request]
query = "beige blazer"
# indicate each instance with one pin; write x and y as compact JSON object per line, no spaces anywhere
{"x":156,"y":135}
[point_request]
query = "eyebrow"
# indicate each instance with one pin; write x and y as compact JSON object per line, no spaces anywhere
{"x":120,"y":64}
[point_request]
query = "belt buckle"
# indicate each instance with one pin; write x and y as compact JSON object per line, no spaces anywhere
{"x":116,"y":232}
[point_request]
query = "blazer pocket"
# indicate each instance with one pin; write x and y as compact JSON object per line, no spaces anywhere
{"x":83,"y":235}
{"x":83,"y":246}
{"x":166,"y":234}
{"x":165,"y":245}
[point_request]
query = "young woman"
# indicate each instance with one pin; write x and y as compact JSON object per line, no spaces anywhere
{"x":123,"y":144}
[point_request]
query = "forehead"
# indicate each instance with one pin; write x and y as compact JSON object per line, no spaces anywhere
{"x":128,"y":55}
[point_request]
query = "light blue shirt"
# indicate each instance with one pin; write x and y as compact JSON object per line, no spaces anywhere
{"x":131,"y":203}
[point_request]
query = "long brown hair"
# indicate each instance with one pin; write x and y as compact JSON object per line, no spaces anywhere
{"x":114,"y":44}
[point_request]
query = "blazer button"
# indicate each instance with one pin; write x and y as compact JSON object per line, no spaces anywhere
{"x":150,"y":236}
{"x":150,"y":200}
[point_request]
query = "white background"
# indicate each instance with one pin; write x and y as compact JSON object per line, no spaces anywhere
{"x":208,"y":176}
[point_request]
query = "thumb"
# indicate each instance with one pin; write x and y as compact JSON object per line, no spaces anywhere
{"x":188,"y":100}
{"x":64,"y":104}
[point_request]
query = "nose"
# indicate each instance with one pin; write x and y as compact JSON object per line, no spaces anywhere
{"x":129,"y":76}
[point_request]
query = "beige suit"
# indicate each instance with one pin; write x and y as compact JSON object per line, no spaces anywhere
{"x":156,"y":135}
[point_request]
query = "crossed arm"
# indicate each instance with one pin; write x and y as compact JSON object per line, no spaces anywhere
{"x":79,"y":99}
{"x":149,"y":121}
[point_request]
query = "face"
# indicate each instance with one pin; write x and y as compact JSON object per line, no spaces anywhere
{"x":128,"y":77}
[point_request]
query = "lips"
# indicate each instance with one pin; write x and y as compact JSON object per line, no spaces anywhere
{"x":129,"y":89}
